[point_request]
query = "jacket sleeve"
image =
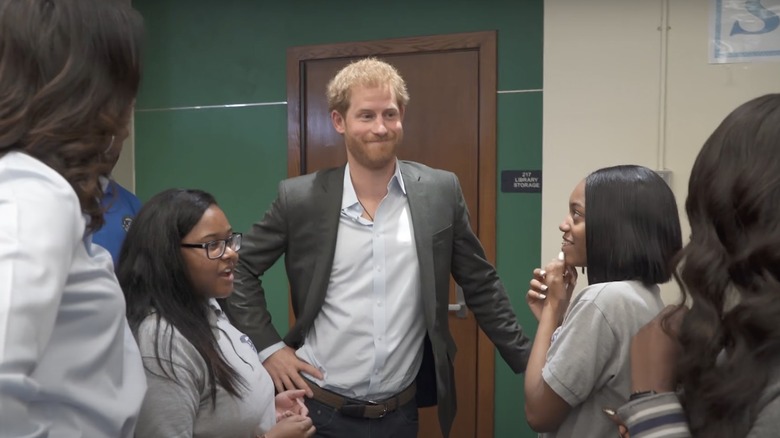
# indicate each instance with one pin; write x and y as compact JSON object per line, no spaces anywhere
{"x":483,"y":291}
{"x":262,"y":246}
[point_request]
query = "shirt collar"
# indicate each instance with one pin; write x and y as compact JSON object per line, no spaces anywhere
{"x":349,"y":198}
{"x":215,"y":308}
{"x":104,"y":182}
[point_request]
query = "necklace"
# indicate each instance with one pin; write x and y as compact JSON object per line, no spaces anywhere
{"x":365,"y":210}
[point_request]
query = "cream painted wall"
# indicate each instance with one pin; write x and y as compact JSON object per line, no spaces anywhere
{"x":124,"y":171}
{"x":603,"y":102}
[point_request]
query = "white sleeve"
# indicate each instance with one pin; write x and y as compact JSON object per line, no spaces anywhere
{"x":268,"y":351}
{"x":40,"y":227}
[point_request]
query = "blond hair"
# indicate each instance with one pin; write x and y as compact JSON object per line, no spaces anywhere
{"x":368,"y":72}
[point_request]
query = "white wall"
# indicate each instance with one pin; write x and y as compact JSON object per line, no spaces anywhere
{"x":602,"y":95}
{"x":124,"y":170}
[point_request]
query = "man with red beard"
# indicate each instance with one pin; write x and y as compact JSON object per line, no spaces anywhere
{"x":369,"y":248}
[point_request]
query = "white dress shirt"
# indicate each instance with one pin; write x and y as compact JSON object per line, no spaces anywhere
{"x":367,"y":339}
{"x":69,"y":366}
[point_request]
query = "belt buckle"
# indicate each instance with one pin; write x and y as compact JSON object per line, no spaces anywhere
{"x":384,"y":408}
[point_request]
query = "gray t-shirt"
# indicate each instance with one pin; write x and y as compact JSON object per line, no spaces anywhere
{"x":184,"y":408}
{"x":588,"y":363}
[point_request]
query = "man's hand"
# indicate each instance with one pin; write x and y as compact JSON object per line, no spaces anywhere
{"x":285,"y":369}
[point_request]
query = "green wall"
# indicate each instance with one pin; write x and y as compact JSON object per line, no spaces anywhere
{"x":202,"y":53}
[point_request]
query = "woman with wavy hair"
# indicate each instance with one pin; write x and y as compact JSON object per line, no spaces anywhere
{"x":205,"y":379}
{"x":727,"y":360}
{"x":69,"y":73}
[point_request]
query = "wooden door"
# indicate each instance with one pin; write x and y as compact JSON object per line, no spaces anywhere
{"x":449,"y":124}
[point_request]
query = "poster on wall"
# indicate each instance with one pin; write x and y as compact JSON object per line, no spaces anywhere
{"x":744,"y":31}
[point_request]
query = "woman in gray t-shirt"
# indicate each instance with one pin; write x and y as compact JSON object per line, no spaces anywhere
{"x":579,"y":362}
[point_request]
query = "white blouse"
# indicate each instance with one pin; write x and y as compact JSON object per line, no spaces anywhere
{"x":69,"y":365}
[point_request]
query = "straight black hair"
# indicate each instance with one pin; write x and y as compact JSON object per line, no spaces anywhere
{"x":632,"y":228}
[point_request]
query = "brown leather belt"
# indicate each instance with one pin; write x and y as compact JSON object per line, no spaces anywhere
{"x":362,"y":408}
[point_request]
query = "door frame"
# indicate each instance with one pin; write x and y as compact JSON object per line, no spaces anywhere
{"x":485,"y":45}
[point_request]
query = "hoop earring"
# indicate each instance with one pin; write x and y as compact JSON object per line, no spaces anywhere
{"x":110,"y":145}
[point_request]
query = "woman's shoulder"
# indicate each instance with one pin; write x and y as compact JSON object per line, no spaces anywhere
{"x":39,"y":206}
{"x":36,"y":184}
{"x":152,"y":325}
{"x":608,"y":291}
{"x":622,"y":298}
{"x":157,"y":337}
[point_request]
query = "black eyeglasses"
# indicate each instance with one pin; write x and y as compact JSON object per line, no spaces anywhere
{"x":216,"y":248}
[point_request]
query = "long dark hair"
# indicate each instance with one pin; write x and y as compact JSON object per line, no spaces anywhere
{"x":632,"y":227}
{"x":69,"y":73}
{"x":731,"y":270}
{"x":153,"y":276}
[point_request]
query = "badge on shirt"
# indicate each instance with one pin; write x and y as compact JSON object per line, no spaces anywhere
{"x":126,"y":222}
{"x":245,"y":339}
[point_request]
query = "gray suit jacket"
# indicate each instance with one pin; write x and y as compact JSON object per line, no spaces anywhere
{"x":302,"y":224}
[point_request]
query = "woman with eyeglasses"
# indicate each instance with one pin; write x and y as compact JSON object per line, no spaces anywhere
{"x":204,"y":376}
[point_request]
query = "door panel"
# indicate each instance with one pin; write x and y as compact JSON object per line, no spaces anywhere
{"x":444,"y":127}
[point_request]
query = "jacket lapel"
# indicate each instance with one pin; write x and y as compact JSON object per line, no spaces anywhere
{"x":329,"y":186}
{"x":419,"y":203}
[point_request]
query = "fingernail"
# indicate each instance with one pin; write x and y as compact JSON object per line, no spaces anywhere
{"x":560,"y":256}
{"x":542,"y":272}
{"x":542,"y":296}
{"x":544,"y":287}
{"x":609,"y":412}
